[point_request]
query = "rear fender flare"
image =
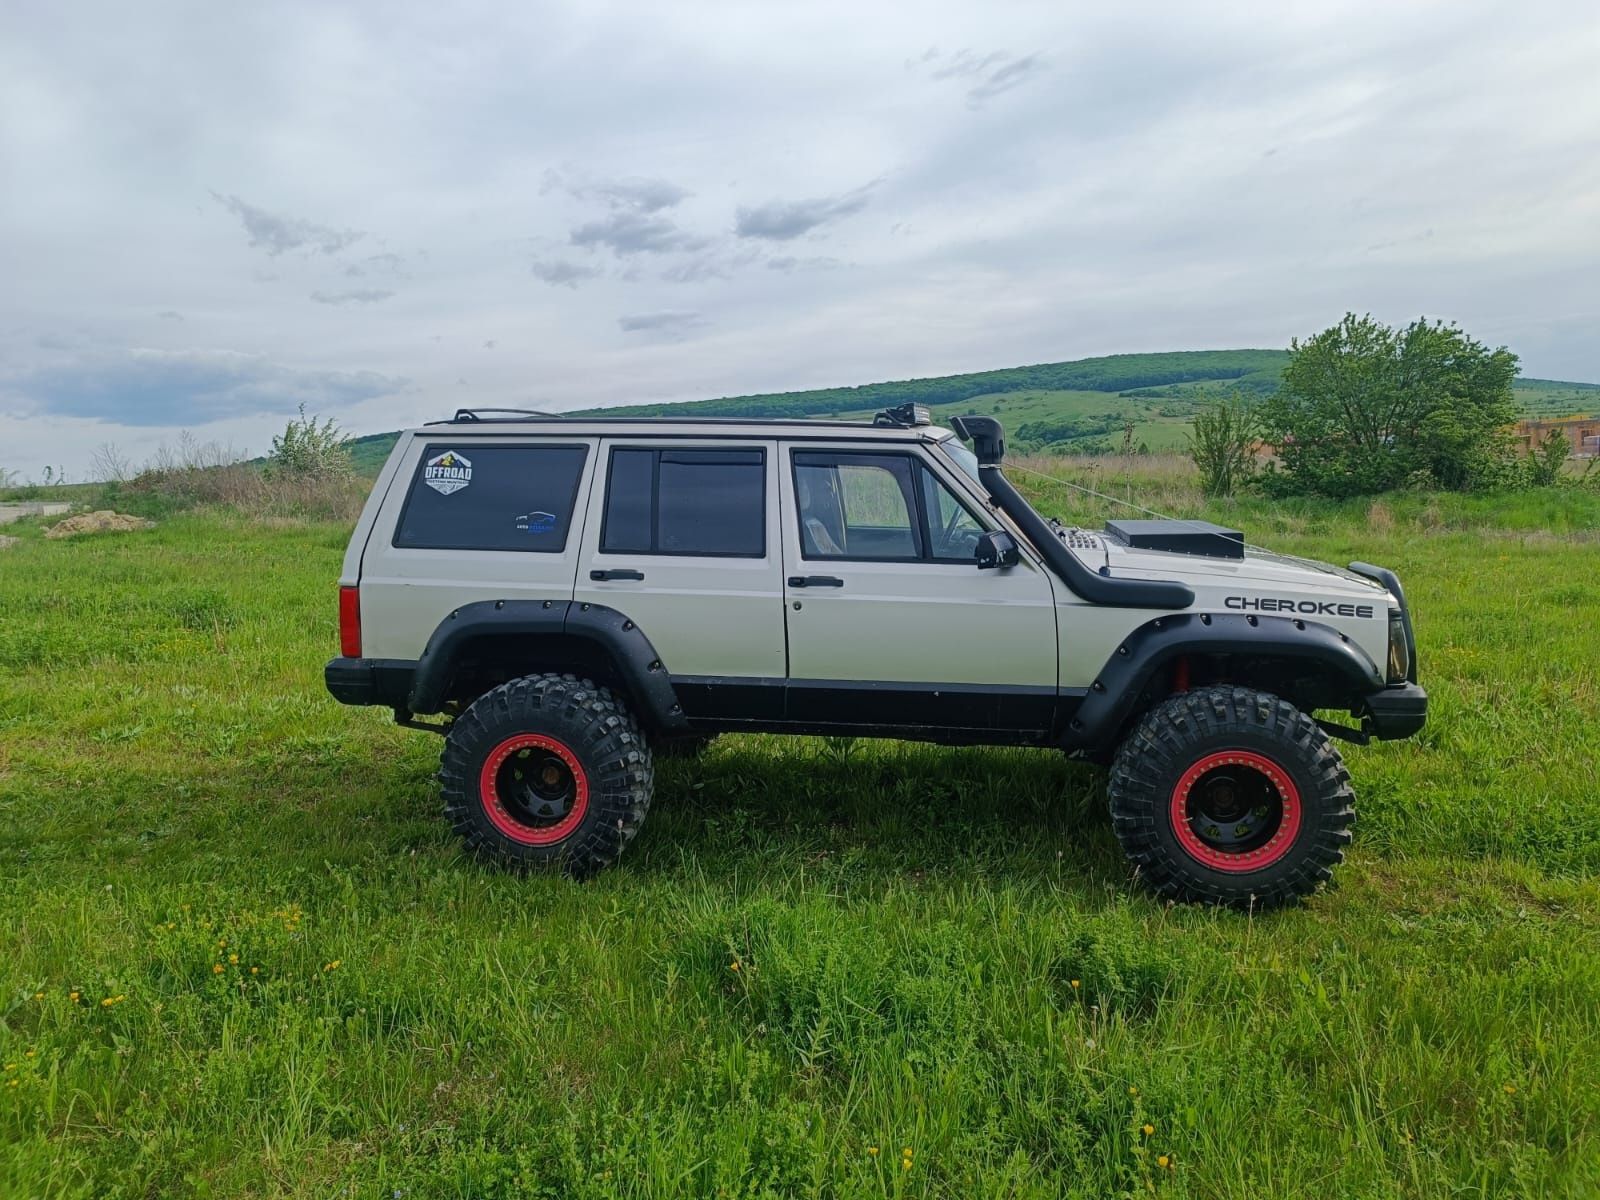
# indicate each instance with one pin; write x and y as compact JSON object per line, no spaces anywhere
{"x":1159,"y":643}
{"x":618,"y":636}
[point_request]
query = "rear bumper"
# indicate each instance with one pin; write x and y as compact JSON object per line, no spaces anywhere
{"x":369,"y":681}
{"x":1398,"y":711}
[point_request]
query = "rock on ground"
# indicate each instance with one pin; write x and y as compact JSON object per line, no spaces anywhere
{"x":103,"y":521}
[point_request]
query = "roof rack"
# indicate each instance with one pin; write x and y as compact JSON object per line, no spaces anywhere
{"x":465,"y":416}
{"x":903,"y":416}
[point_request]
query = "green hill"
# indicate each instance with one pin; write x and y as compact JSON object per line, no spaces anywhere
{"x":1087,"y":406}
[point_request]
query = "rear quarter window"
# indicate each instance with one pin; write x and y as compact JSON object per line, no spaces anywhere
{"x":468,"y":497}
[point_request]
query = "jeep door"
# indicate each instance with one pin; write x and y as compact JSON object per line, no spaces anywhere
{"x":683,"y":538}
{"x":890,"y":621}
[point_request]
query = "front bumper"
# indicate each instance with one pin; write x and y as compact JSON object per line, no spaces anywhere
{"x":369,"y":681}
{"x":1398,"y":711}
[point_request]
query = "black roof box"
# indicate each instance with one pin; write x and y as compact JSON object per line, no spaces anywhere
{"x":1180,"y":537}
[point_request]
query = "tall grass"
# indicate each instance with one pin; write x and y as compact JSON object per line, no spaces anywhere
{"x":814,"y":957}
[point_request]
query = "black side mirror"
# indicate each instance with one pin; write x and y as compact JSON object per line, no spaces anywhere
{"x":997,"y":548}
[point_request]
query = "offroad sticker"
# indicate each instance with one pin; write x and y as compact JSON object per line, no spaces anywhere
{"x":537,"y":522}
{"x":447,"y":473}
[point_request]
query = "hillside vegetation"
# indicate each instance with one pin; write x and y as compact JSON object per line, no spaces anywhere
{"x":1090,"y":405}
{"x":241,"y":955}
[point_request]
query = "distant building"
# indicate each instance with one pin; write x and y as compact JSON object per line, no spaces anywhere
{"x":1582,"y":434}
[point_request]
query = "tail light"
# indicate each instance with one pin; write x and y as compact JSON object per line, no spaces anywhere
{"x":350,"y":622}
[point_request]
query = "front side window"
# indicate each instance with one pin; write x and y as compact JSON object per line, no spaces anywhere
{"x":466,"y":496}
{"x":879,"y":508}
{"x":691,"y":502}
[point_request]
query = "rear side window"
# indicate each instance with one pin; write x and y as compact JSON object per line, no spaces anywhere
{"x":693,"y":502}
{"x":475,"y":497}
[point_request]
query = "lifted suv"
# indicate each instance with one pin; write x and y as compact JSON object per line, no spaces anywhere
{"x":576,"y":596}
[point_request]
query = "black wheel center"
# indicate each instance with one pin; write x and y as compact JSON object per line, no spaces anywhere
{"x":1235,"y":809}
{"x":536,"y":787}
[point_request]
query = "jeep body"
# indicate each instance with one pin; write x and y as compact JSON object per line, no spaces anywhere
{"x":869,"y":579}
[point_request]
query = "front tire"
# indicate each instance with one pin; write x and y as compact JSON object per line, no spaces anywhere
{"x":1231,"y":796}
{"x":546,"y":771}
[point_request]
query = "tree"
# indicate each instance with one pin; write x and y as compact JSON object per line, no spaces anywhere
{"x":1223,"y":444}
{"x":1365,"y":408}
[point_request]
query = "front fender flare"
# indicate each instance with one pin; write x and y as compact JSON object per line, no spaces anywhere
{"x":649,"y":686}
{"x":1158,"y":643}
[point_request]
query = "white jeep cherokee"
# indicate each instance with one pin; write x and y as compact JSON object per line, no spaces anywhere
{"x":575,"y":595}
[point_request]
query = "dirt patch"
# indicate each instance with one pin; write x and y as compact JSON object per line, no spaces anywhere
{"x":7,"y":542}
{"x":104,"y":521}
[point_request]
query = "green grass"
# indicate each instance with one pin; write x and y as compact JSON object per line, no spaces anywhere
{"x":936,"y":949}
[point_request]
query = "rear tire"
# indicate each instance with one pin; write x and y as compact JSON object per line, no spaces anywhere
{"x":1231,"y":796}
{"x":546,"y":771}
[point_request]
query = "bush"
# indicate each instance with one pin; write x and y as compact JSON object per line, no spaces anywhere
{"x":310,"y":448}
{"x":1223,"y":444}
{"x":206,"y":474}
{"x":1546,"y":459}
{"x":1364,"y":408}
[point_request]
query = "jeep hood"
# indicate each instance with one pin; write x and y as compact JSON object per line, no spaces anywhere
{"x":1105,"y":554}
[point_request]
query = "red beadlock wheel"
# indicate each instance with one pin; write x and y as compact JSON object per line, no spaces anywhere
{"x":534,"y":789}
{"x":1235,"y":811}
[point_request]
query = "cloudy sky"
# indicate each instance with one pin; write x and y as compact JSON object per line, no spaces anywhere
{"x":210,"y":213}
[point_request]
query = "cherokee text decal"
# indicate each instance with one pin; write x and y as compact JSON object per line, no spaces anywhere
{"x":1310,"y":608}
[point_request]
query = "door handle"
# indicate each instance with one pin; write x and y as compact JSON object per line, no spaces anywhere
{"x":799,"y":581}
{"x":617,"y":573}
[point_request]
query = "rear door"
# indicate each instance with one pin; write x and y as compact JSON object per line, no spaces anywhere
{"x":471,"y":519}
{"x":889,"y":619}
{"x":684,"y":539}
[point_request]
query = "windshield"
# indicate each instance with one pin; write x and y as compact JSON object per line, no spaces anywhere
{"x":961,"y":456}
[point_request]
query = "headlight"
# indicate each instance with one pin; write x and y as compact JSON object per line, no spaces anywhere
{"x":1399,"y":651}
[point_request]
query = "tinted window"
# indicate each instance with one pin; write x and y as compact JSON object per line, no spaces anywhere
{"x":952,"y":531}
{"x":700,"y":502}
{"x":856,"y":506}
{"x":491,"y":498}
{"x":630,"y":503}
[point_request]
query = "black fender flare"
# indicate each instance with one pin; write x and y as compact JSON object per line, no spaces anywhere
{"x":1158,"y":643}
{"x":649,"y":686}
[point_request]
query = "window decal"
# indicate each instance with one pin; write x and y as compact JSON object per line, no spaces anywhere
{"x":448,"y":473}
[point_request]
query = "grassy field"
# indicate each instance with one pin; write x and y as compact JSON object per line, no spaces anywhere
{"x":240,"y":956}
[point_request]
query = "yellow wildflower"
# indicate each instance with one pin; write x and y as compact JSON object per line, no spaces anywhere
{"x":1163,"y":1160}
{"x":1076,"y":983}
{"x":1510,"y":1089}
{"x":216,"y":968}
{"x":1148,"y":1129}
{"x":28,"y":1054}
{"x":255,"y":970}
{"x":734,"y":965}
{"x":1132,"y":1091}
{"x":872,"y":1150}
{"x":38,"y":995}
{"x":334,"y":965}
{"x":73,"y":996}
{"x":233,"y":958}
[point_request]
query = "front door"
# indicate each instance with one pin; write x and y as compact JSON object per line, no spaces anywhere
{"x":890,"y":621}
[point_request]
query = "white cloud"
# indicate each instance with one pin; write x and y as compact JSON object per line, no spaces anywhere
{"x":629,"y":201}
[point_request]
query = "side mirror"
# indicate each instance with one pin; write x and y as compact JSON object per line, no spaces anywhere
{"x":997,"y":548}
